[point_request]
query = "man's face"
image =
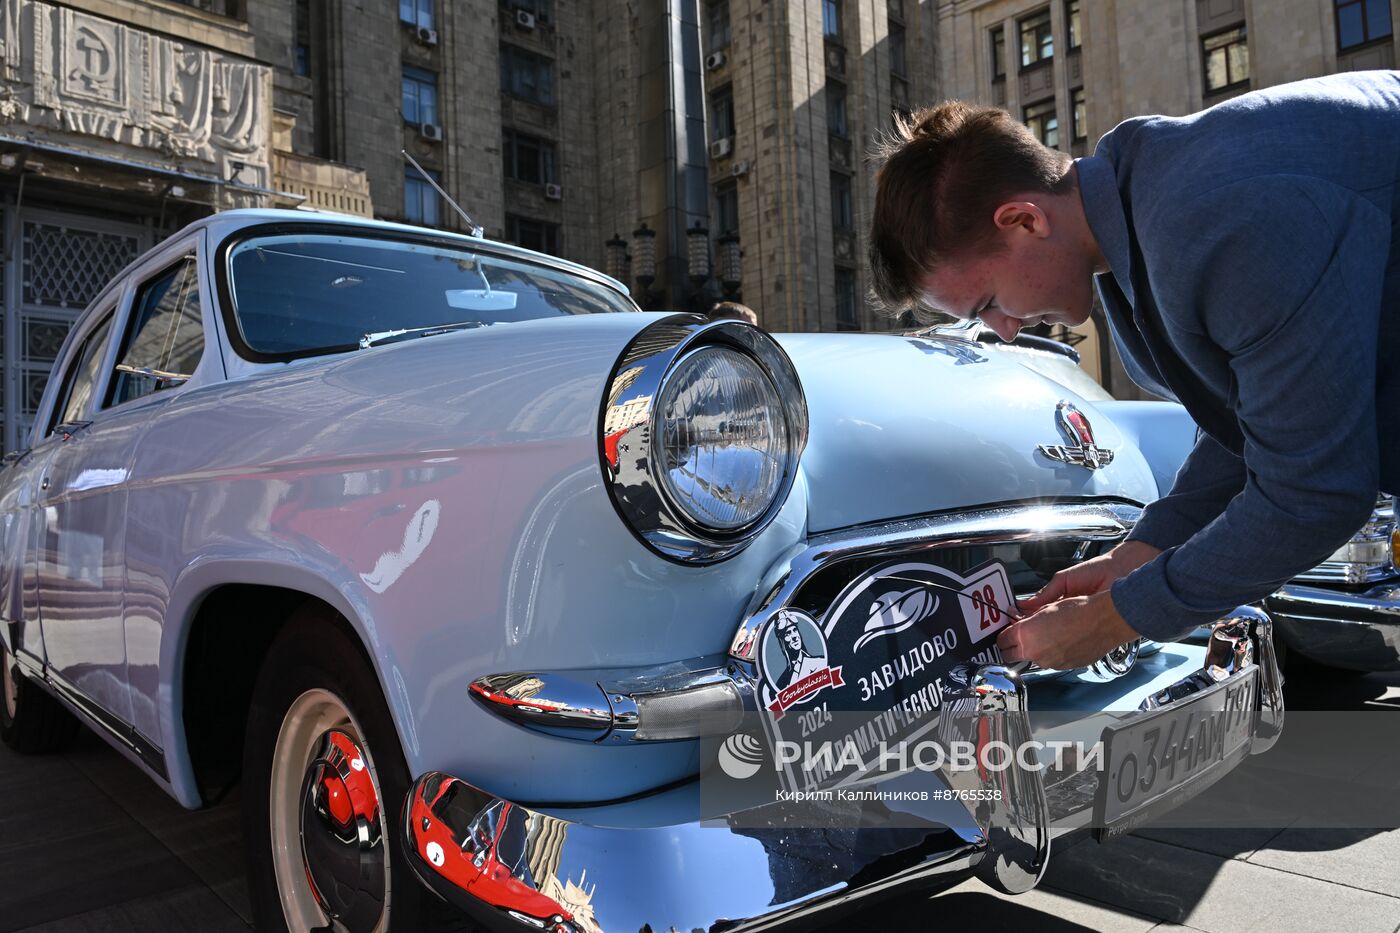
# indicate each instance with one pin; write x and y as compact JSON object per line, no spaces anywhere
{"x":793,"y":637}
{"x":1035,"y":278}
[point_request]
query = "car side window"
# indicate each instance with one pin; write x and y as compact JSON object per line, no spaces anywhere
{"x":165,"y":337}
{"x":82,"y":377}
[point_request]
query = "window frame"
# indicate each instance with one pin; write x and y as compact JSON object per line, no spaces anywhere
{"x":853,"y":324}
{"x":1049,"y":108}
{"x":997,"y":37}
{"x":1079,"y":131}
{"x":1040,"y":61}
{"x":546,"y":157}
{"x":831,"y":21}
{"x":1206,"y":90}
{"x":139,"y":283}
{"x":546,"y":226}
{"x":416,"y":76}
{"x":418,"y":7}
{"x":1074,"y":34}
{"x":837,"y":91}
{"x":723,"y":95}
{"x":848,"y":215}
{"x":723,"y":192}
{"x":512,"y":57}
{"x":1367,"y":38}
{"x":417,"y":182}
{"x":903,"y":70}
{"x":712,"y":35}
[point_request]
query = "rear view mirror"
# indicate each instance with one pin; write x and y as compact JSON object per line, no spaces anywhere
{"x":481,"y":299}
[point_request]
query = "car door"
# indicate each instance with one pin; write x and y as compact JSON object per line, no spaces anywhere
{"x":156,"y":345}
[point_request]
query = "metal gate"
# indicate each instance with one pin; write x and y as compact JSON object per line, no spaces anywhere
{"x":53,"y":264}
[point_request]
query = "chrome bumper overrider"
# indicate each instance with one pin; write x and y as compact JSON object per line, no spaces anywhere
{"x":654,"y":863}
{"x":1360,"y":631}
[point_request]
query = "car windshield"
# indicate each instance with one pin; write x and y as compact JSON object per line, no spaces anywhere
{"x":306,"y":293}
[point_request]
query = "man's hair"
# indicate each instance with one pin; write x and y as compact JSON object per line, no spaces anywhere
{"x":942,"y":173}
{"x":733,"y":311}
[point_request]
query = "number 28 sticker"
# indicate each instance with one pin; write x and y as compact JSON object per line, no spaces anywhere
{"x":987,"y":605}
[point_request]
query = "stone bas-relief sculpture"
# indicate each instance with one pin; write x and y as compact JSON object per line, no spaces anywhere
{"x":68,"y":72}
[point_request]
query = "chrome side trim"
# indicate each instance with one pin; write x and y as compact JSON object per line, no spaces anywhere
{"x":618,"y":706}
{"x":626,"y":434}
{"x":1107,"y":521}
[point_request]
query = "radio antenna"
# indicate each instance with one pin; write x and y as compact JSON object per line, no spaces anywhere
{"x":477,"y":230}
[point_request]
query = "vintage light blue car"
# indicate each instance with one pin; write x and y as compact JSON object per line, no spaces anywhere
{"x":462,"y":565}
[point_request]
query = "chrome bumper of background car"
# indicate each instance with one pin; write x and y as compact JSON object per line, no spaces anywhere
{"x":628,"y":865}
{"x":1360,"y":631}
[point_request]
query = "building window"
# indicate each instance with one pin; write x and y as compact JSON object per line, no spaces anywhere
{"x":1226,"y":60}
{"x":999,"y":54}
{"x":419,"y":96}
{"x":1362,"y":21}
{"x":527,"y":76}
{"x":1037,"y":42}
{"x":726,"y":209}
{"x":722,"y":114}
{"x":836,"y":122}
{"x":841,"y":215}
{"x":846,"y":300}
{"x":301,"y":38}
{"x":831,"y":20}
{"x":1044,"y":123}
{"x":416,"y":13}
{"x":538,"y":8}
{"x":1072,"y":23}
{"x":420,"y":200}
{"x":1081,"y":113}
{"x":899,"y":63}
{"x":895,"y":10}
{"x":719,"y":24}
{"x":529,"y":159}
{"x":537,"y":235}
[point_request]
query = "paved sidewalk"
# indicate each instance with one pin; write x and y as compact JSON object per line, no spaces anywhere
{"x":88,"y":844}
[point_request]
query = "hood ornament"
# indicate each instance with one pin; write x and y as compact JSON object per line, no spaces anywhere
{"x":1081,"y":450}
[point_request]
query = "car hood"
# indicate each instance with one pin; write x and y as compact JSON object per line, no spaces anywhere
{"x":906,"y":425}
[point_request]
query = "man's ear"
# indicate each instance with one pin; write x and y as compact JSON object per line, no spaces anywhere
{"x":1023,"y":216}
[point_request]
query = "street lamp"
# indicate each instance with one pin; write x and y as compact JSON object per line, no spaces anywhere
{"x":697,"y":254}
{"x":615,"y":258}
{"x":731,"y":265}
{"x":644,"y":260}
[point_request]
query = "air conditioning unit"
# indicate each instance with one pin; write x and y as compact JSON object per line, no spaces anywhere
{"x":427,"y":36}
{"x":525,"y":19}
{"x":715,"y":60}
{"x":720,"y":148}
{"x":553,"y":192}
{"x":739,"y":169}
{"x":430,"y":131}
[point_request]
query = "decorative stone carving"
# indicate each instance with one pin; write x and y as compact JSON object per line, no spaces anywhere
{"x":68,"y":72}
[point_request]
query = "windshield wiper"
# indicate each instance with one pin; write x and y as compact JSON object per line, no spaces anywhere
{"x":376,"y":338}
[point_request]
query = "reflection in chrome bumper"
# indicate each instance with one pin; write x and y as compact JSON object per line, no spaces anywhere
{"x":652,"y":863}
{"x":1360,"y":631}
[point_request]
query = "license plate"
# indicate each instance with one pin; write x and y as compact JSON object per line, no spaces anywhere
{"x":1170,"y":749}
{"x":880,"y":652}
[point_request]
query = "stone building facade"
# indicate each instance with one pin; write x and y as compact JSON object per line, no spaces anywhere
{"x":1073,"y":69}
{"x":797,"y":95}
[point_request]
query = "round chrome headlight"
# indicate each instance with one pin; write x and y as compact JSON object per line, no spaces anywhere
{"x":721,"y":439}
{"x":700,"y":435}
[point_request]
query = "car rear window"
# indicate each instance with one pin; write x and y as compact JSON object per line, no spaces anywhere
{"x":297,"y":294}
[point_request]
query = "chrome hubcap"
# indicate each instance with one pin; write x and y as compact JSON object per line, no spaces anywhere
{"x":11,"y":685}
{"x":329,"y":855}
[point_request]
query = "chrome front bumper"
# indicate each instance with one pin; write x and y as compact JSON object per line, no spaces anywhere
{"x":652,"y":863}
{"x":1359,"y":631}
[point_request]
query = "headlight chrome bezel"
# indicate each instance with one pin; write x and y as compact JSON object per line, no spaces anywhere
{"x":628,"y":422}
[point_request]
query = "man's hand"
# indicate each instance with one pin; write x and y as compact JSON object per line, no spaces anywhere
{"x":1070,"y":633}
{"x":1092,"y":576}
